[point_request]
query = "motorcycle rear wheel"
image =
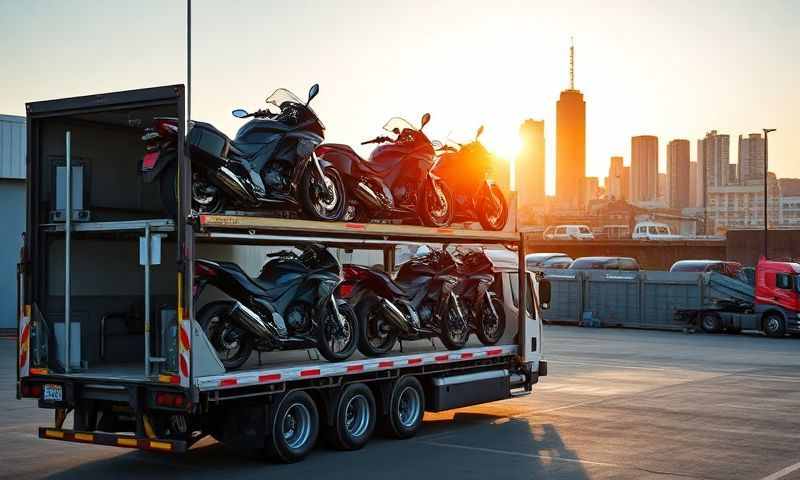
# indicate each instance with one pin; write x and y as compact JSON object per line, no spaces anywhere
{"x":232,"y":344}
{"x":335,"y":343}
{"x":376,"y":336}
{"x":202,"y":202}
{"x":327,"y":208}
{"x":435,"y":210}
{"x":493,"y":217}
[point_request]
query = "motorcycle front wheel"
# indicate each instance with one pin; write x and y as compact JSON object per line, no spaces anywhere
{"x":492,"y":209}
{"x":436,"y":208}
{"x":326,"y":202}
{"x":337,"y":342}
{"x":454,"y":327}
{"x":491,"y":325}
{"x":232,"y":343}
{"x":377,"y":335}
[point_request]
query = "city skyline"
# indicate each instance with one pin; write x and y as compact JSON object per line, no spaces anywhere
{"x":671,"y":72}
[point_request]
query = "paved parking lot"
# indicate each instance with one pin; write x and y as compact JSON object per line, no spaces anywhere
{"x":621,"y":404}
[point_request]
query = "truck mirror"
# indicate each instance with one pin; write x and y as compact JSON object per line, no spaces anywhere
{"x":544,"y":294}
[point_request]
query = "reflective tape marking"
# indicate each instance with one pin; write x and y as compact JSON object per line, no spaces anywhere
{"x":272,"y":377}
{"x":355,"y":368}
{"x":414,"y":361}
{"x":84,"y":437}
{"x":127,"y":442}
{"x":386,"y":364}
{"x":228,"y":382}
{"x":442,"y":358}
{"x":466,"y":355}
{"x":54,"y":433}
{"x":160,"y":445}
{"x":310,"y":373}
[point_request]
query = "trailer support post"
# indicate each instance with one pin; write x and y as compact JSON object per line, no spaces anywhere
{"x":147,"y":259}
{"x":67,"y":249}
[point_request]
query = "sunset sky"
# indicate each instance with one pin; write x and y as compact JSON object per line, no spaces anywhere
{"x":673,"y":69}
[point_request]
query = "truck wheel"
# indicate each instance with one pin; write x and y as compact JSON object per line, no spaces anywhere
{"x":406,"y":408}
{"x":710,"y":322}
{"x":295,"y":426}
{"x":774,"y":325}
{"x":354,"y":418}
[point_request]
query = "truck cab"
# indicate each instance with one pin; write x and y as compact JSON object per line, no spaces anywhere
{"x":777,"y":296}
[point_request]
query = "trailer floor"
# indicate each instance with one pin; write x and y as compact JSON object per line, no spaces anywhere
{"x":621,"y":404}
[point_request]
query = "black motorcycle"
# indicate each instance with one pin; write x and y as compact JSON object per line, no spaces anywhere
{"x":396,"y":181}
{"x":484,"y":311}
{"x":270,"y":164}
{"x":420,"y":303}
{"x":289,"y":306}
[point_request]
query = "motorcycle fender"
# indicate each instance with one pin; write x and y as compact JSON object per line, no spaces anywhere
{"x":149,"y":176}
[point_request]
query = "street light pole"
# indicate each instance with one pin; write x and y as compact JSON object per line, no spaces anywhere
{"x":766,"y":190}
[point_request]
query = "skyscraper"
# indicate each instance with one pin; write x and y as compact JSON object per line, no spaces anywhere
{"x":626,"y":183}
{"x":693,"y":195}
{"x":713,"y":158}
{"x":570,"y":144}
{"x":644,"y":168}
{"x":530,"y":164}
{"x":678,"y":173}
{"x":614,"y":179}
{"x":751,"y":159}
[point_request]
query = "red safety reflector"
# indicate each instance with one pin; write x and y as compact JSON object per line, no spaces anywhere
{"x":445,"y":230}
{"x":170,"y":399}
{"x":414,"y":361}
{"x":495,"y":351}
{"x":345,"y":290}
{"x":355,"y":368}
{"x":270,"y":377}
{"x":31,"y":390}
{"x":149,"y":160}
{"x":442,"y":358}
{"x":203,"y":219}
{"x":355,"y":226}
{"x":386,"y":364}
{"x":228,"y":382}
{"x":313,"y":372}
{"x":466,"y":356}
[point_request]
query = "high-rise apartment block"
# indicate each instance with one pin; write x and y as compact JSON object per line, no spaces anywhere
{"x":678,"y":173}
{"x":644,"y":168}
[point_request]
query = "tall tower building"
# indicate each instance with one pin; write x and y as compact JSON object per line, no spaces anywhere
{"x":570,"y":144}
{"x":678,"y":174}
{"x":693,"y":195}
{"x":751,"y":159}
{"x":614,"y":179}
{"x":644,"y":168}
{"x":530,"y":164}
{"x":713,"y":160}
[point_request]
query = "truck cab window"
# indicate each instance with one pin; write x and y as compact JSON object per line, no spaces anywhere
{"x":784,"y":281}
{"x":513,"y":281}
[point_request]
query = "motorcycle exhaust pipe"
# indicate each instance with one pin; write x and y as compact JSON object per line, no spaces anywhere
{"x":366,"y":195}
{"x":394,"y":316}
{"x":232,"y":184}
{"x":251,"y":321}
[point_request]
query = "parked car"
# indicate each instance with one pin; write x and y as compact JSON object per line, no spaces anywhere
{"x":538,"y":261}
{"x":568,"y":232}
{"x":653,"y":231}
{"x":731,"y":269}
{"x":605,"y":263}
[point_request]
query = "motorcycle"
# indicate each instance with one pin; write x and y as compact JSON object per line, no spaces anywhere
{"x":420,"y":303}
{"x":465,"y":171}
{"x":484,"y":311}
{"x":270,"y":164}
{"x":289,"y":306}
{"x":396,"y":181}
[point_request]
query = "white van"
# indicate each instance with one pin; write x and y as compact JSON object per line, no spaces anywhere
{"x":653,"y":231}
{"x":568,"y":232}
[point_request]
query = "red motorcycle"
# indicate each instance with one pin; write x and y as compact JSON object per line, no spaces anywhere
{"x":396,"y":181}
{"x":465,"y":170}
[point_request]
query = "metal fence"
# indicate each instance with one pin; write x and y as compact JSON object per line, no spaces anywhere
{"x":624,"y":299}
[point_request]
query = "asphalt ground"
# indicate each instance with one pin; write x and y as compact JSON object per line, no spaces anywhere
{"x":618,"y":404}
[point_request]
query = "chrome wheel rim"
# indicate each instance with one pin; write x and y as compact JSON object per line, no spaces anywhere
{"x":409,"y":406}
{"x":356,"y":416}
{"x":327,"y":201}
{"x":220,"y":334}
{"x":338,"y":337}
{"x":773,"y":324}
{"x":438,"y":196}
{"x":708,"y":322}
{"x":296,"y":425}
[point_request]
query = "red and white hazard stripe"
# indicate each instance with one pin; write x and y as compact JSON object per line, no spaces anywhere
{"x":184,"y":347}
{"x":24,"y":361}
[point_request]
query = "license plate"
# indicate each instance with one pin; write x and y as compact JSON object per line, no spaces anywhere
{"x":53,"y":393}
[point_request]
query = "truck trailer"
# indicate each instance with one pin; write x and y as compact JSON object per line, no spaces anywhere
{"x":107,"y":337}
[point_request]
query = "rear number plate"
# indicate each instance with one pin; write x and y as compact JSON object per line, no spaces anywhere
{"x":53,"y":393}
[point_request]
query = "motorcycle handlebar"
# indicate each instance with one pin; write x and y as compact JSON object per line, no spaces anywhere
{"x":377,"y":140}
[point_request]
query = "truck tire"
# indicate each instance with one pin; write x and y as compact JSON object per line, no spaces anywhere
{"x":354,"y":418}
{"x":710,"y":322}
{"x":295,"y":427}
{"x":406,"y":408}
{"x":774,"y":325}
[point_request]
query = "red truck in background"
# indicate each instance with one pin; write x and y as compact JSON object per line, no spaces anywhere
{"x":771,"y":305}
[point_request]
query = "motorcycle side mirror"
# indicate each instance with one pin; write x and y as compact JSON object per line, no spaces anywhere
{"x":239,"y":113}
{"x":480,"y":132}
{"x":312,"y":92}
{"x":396,"y":131}
{"x":425,"y":119}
